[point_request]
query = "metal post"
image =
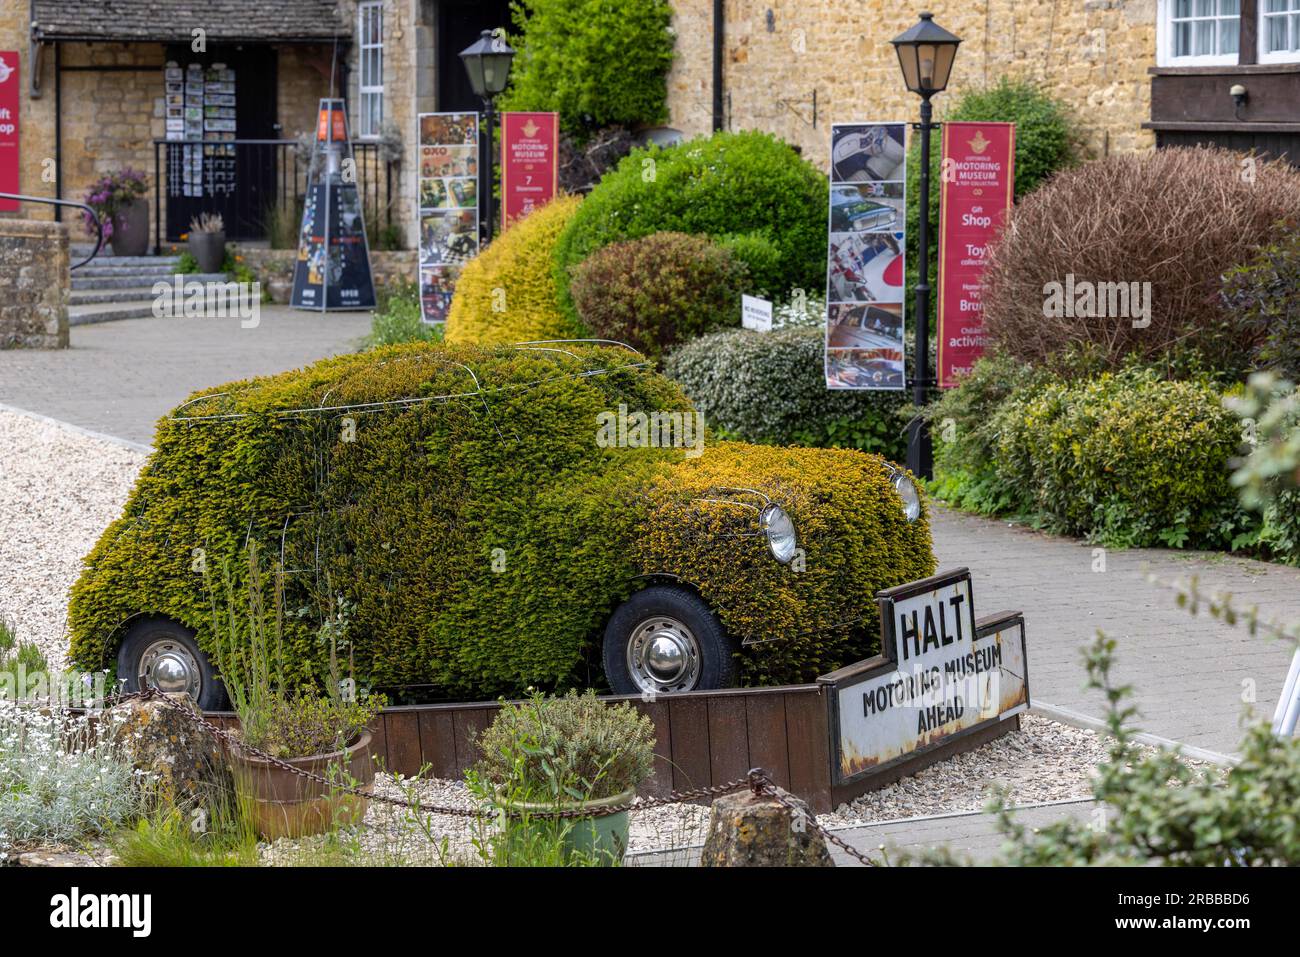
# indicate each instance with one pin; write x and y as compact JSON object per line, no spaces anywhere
{"x":486,"y":160}
{"x":920,"y":459}
{"x":1288,"y":704}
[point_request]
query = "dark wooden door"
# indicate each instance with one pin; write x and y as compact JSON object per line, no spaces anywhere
{"x":459,"y":24}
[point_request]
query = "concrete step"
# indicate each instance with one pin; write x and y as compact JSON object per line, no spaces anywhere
{"x":127,"y":280}
{"x":84,"y":297}
{"x":105,"y":258}
{"x":82,"y":315}
{"x":97,"y":268}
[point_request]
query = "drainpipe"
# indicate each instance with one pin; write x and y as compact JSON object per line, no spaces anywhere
{"x":719,"y":30}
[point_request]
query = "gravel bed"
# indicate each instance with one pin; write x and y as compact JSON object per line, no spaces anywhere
{"x":59,"y":490}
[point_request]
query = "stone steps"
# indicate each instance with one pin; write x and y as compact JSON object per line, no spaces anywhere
{"x":122,"y":287}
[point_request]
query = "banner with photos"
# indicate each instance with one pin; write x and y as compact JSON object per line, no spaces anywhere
{"x":447,"y":200}
{"x":866,"y":267}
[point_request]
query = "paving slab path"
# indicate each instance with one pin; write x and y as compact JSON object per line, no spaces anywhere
{"x":1193,"y":676}
{"x":121,"y":377}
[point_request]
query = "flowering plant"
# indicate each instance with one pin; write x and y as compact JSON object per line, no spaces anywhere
{"x":110,"y":195}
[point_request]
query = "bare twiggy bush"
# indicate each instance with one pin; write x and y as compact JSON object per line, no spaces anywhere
{"x":1176,"y":218}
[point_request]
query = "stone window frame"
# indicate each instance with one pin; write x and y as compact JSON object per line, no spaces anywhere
{"x":370,"y":66}
{"x":1165,"y":18}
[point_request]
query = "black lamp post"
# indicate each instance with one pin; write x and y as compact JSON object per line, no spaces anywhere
{"x":487,"y":61}
{"x":926,"y":53}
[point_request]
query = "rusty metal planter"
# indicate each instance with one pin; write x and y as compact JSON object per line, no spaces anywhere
{"x":283,"y":804}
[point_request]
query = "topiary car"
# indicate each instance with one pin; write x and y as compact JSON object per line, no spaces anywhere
{"x":494,"y":518}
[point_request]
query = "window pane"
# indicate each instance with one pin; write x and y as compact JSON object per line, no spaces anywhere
{"x":1183,"y":8}
{"x":1205,"y":8}
{"x":1183,"y":39}
{"x":1276,"y":34}
{"x":1295,"y":33}
{"x":1274,"y":6}
{"x":1229,"y":8}
{"x":1229,"y":34}
{"x":1204,"y":37}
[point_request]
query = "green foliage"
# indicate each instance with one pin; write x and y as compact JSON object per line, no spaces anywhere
{"x":22,"y":665}
{"x":1126,"y":459}
{"x":730,"y":376}
{"x":187,"y":264}
{"x":761,"y":257}
{"x":724,"y":186}
{"x":597,"y":62}
{"x":1161,"y":811}
{"x":1045,"y":143}
{"x":482,"y":539}
{"x":397,"y":319}
{"x":1262,"y":301}
{"x":571,"y":749}
{"x":167,"y":837}
{"x":658,"y":291}
{"x":507,"y":293}
{"x":1268,"y":479}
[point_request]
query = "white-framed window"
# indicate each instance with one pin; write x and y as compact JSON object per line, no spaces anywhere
{"x":1199,"y":32}
{"x":370,"y":37}
{"x":1279,"y":31}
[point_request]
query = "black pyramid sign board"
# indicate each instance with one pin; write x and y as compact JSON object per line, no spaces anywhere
{"x":333,"y":266}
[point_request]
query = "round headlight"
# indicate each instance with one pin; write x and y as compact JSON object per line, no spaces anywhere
{"x":906,"y":490}
{"x":779,"y":529}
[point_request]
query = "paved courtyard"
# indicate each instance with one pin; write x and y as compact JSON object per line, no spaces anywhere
{"x":121,"y":377}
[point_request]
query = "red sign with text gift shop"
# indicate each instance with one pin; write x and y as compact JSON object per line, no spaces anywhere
{"x":529,"y":162}
{"x":9,"y":88}
{"x":978,"y":187}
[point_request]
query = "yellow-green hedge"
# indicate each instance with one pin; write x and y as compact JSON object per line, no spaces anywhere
{"x":484,"y":539}
{"x":507,"y":293}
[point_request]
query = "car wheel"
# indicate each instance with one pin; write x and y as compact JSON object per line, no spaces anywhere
{"x":665,"y":640}
{"x":161,"y":653}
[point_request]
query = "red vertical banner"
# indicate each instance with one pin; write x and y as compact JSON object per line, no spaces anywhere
{"x":529,"y":162}
{"x":9,"y":99}
{"x":978,"y":182}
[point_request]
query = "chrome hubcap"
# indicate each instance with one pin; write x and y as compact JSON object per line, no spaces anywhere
{"x":168,"y":666}
{"x":663,"y":656}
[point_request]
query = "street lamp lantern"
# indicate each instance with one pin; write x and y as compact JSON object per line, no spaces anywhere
{"x":926,"y":53}
{"x":487,"y":61}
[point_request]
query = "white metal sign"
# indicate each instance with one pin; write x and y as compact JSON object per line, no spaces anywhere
{"x":756,"y":313}
{"x":943,"y":674}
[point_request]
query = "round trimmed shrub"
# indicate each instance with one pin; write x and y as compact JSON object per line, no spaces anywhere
{"x":507,"y":292}
{"x":597,"y":62}
{"x":724,"y":186}
{"x":1127,"y":459}
{"x":769,"y":387}
{"x":657,"y":291}
{"x":1174,"y":218}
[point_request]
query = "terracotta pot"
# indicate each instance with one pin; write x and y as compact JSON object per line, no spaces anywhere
{"x":209,"y":249}
{"x":281,"y":290}
{"x":131,"y":229}
{"x":282,"y":804}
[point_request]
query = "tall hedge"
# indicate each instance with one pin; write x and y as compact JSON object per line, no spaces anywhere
{"x":482,"y":537}
{"x":507,"y":292}
{"x":725,"y":186}
{"x":597,"y":62}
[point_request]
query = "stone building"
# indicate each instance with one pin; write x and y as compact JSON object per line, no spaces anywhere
{"x":105,"y":83}
{"x":1136,"y":73}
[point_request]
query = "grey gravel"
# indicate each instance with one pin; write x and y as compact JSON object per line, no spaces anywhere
{"x":59,"y":490}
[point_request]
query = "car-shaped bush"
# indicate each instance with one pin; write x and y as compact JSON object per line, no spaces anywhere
{"x":479,"y":520}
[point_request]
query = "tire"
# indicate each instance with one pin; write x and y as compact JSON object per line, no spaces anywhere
{"x":671,"y":621}
{"x":152,"y":642}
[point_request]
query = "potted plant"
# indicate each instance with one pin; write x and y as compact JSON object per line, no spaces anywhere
{"x":279,"y":279}
{"x":207,"y":241}
{"x":574,"y":754}
{"x":283,"y":727}
{"x":118,"y":200}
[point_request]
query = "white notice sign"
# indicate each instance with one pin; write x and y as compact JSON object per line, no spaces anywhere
{"x":755,"y":313}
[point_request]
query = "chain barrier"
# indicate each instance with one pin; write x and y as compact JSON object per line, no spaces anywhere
{"x":757,"y":781}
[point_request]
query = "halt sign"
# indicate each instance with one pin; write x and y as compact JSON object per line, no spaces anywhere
{"x":942,"y":675}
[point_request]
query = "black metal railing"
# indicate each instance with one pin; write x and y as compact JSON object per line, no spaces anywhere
{"x":94,"y":218}
{"x":256,"y":185}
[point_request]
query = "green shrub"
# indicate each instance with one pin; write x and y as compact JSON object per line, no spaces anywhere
{"x":657,"y":291}
{"x":597,"y":62}
{"x":573,"y":742}
{"x":1045,"y":143}
{"x":1127,"y":460}
{"x":1269,"y":477}
{"x":723,"y":186}
{"x":770,"y":388}
{"x":1261,"y":299}
{"x":507,"y":292}
{"x":1174,"y":219}
{"x":761,"y":257}
{"x":397,"y":319}
{"x":482,"y":539}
